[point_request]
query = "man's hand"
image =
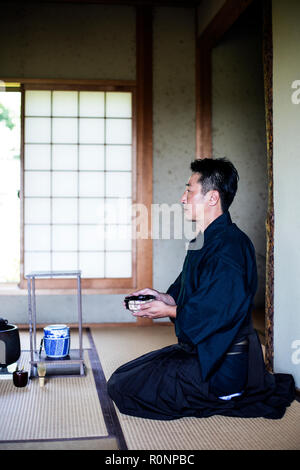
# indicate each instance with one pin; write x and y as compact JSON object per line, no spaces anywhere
{"x":167,"y":299}
{"x":156,"y":309}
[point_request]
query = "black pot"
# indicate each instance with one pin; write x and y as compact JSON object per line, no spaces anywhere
{"x":10,"y":348}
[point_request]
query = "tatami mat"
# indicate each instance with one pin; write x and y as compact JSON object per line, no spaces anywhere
{"x":65,"y":408}
{"x":117,"y":345}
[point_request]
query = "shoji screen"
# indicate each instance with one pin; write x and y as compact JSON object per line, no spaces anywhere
{"x":78,"y":182}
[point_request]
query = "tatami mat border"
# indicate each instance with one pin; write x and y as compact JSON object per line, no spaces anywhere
{"x":110,"y":416}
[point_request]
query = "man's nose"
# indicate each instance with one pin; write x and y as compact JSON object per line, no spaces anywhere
{"x":183,"y":198}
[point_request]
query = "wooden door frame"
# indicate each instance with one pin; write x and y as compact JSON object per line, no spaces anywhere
{"x":220,"y":24}
{"x":144,"y":145}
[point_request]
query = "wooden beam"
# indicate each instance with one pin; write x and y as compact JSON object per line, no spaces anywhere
{"x":223,"y":20}
{"x":268,"y":84}
{"x":65,"y":83}
{"x":144,"y":141}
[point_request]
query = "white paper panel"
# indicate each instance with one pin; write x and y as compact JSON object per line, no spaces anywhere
{"x":118,"y":157}
{"x":64,"y":261}
{"x":118,"y":104}
{"x":91,"y":157}
{"x":64,"y":184}
{"x":37,"y":157}
{"x":118,"y":238}
{"x":65,"y":103}
{"x":37,"y":103}
{"x":64,"y":130}
{"x":118,"y":211}
{"x":91,"y":104}
{"x":37,"y":130}
{"x":64,"y":210}
{"x":118,"y":131}
{"x":37,"y":211}
{"x":91,"y":211}
{"x":37,"y":183}
{"x":91,"y":264}
{"x":118,"y":264}
{"x":37,"y":237}
{"x":91,"y":184}
{"x":37,"y":262}
{"x":91,"y":238}
{"x":64,"y":238}
{"x":118,"y":184}
{"x":64,"y":157}
{"x":91,"y":131}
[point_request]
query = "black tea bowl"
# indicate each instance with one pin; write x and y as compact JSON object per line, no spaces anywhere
{"x":133,"y":302}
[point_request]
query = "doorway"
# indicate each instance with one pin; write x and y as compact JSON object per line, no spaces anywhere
{"x":224,"y":126}
{"x":239,"y":132}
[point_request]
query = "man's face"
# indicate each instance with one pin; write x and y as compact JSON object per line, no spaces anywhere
{"x":193,"y":200}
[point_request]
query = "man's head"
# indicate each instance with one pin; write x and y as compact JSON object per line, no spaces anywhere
{"x":210,"y":189}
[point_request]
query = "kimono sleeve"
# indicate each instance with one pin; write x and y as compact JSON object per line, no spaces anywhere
{"x":213,"y":315}
{"x":174,"y":290}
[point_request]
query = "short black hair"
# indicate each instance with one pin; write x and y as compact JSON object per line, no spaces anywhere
{"x":217,"y":174}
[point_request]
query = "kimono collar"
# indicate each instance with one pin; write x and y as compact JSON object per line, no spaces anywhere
{"x":217,"y":226}
{"x":214,"y":229}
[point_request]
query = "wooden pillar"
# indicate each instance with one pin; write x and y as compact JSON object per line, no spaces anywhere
{"x":268,"y":83}
{"x":144,"y":141}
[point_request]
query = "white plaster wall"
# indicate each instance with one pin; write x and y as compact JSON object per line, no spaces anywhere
{"x":85,"y":41}
{"x":286,"y":37}
{"x":98,"y":42}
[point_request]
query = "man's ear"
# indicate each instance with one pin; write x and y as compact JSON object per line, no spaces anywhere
{"x":214,"y":198}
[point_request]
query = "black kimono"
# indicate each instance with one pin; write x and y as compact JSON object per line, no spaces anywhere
{"x":218,"y":352}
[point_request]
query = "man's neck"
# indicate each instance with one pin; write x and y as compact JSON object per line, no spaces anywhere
{"x":208,"y":219}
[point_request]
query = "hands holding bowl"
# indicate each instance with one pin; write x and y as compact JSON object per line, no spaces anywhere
{"x":150,"y":303}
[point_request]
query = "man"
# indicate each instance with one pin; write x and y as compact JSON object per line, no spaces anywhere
{"x":217,"y":367}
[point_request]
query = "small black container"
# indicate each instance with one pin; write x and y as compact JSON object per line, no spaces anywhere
{"x":20,"y":378}
{"x":10,"y":348}
{"x":137,"y":300}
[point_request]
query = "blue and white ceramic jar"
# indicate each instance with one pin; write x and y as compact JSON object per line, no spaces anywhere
{"x":57,"y":341}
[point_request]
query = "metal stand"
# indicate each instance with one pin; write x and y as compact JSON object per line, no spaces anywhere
{"x":75,"y":356}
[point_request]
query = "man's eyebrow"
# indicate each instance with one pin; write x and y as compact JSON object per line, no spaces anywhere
{"x":188,"y":184}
